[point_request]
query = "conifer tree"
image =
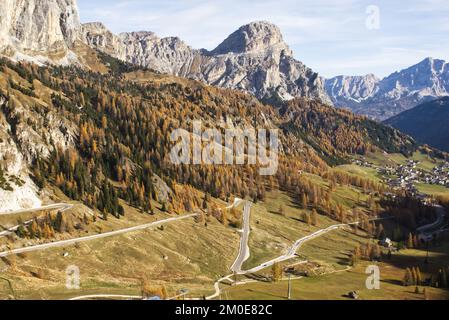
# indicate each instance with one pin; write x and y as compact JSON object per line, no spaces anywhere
{"x":304,"y":201}
{"x":410,"y":242}
{"x":205,"y":201}
{"x":418,"y":276}
{"x":407,"y":277}
{"x":426,"y":295}
{"x":414,"y":276}
{"x":306,"y":218}
{"x":276,"y":272}
{"x":281,"y":210}
{"x":314,"y":217}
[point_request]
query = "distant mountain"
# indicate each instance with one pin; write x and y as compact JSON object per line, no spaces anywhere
{"x":427,"y":123}
{"x":350,"y":91}
{"x":254,"y":59}
{"x":382,"y":99}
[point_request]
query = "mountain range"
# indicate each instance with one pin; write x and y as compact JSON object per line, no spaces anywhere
{"x":44,"y":108}
{"x":384,"y":98}
{"x":255,"y":58}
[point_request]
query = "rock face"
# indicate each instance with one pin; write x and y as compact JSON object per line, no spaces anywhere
{"x":17,"y":190}
{"x":38,"y":28}
{"x":254,"y":59}
{"x":382,"y":99}
{"x":97,"y":36}
{"x":351,"y":91}
{"x":168,"y":55}
{"x":22,"y":143}
{"x":254,"y":37}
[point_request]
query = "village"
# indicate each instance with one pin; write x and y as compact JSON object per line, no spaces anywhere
{"x":407,"y":175}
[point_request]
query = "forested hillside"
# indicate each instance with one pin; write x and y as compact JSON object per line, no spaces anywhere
{"x":336,"y":133}
{"x":100,"y":138}
{"x":427,"y":123}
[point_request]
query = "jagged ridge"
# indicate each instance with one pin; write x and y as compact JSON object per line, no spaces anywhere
{"x":382,"y":99}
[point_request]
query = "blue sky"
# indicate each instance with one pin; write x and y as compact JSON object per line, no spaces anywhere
{"x":330,"y":36}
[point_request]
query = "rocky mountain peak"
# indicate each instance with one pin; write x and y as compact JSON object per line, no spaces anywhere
{"x":98,"y":36}
{"x":429,"y":77}
{"x":429,"y":61}
{"x":97,"y":27}
{"x":435,"y":66}
{"x":254,"y":59}
{"x":352,"y":88}
{"x":138,"y":35}
{"x":256,"y":36}
{"x":38,"y":26}
{"x":402,"y":90}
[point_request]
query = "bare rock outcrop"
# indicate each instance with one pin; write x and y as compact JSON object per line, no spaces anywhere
{"x":39,"y":30}
{"x":254,"y":59}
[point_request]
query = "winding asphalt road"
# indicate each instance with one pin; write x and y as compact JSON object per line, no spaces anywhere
{"x":93,"y":237}
{"x":237,"y":201}
{"x":244,"y":248}
{"x":441,"y":213}
{"x":291,"y":253}
{"x":56,"y":206}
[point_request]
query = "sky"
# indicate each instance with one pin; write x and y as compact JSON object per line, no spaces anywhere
{"x":333,"y":37}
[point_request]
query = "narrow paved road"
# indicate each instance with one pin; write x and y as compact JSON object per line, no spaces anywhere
{"x":93,"y":237}
{"x":243,"y":254}
{"x":441,"y":213}
{"x":237,"y":201}
{"x":55,"y":206}
{"x":291,"y":253}
{"x":13,"y":229}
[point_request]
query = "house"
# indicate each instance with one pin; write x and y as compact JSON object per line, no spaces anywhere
{"x":387,"y":243}
{"x":353,"y":295}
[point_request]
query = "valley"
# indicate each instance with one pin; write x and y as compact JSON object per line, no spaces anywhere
{"x":109,"y":191}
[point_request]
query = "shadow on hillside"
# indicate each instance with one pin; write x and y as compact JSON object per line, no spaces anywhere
{"x":438,"y":258}
{"x":392,"y":281}
{"x":344,"y":261}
